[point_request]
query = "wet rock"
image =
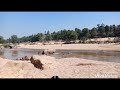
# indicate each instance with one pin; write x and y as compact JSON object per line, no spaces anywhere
{"x":24,"y":58}
{"x":48,"y":51}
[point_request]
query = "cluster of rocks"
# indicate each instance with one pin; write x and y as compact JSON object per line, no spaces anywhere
{"x":24,"y":58}
{"x":37,"y":63}
{"x":48,"y":51}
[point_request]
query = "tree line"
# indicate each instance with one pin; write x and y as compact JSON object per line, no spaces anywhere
{"x":100,"y":31}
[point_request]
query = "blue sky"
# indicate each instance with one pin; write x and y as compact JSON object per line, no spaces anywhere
{"x":27,"y":23}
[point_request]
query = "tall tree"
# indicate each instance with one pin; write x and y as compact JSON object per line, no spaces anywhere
{"x":93,"y":32}
{"x":101,"y":31}
{"x":48,"y":36}
{"x":107,"y":31}
{"x":14,"y":39}
{"x":1,"y":39}
{"x":112,"y":30}
{"x":85,"y":33}
{"x":117,"y":31}
{"x":53,"y":35}
{"x":72,"y":35}
{"x":79,"y":33}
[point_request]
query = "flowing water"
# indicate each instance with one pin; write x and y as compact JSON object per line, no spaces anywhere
{"x":110,"y":56}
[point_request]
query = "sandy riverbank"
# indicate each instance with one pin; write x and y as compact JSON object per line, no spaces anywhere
{"x":111,"y":46}
{"x":64,"y":68}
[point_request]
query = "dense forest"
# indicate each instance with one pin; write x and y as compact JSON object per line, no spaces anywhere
{"x":100,"y":31}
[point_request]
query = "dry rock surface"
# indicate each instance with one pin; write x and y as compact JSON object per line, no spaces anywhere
{"x":63,"y":68}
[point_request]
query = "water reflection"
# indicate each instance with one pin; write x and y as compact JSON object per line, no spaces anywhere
{"x":112,"y":56}
{"x":14,"y":53}
{"x":109,"y":56}
{"x":1,"y":53}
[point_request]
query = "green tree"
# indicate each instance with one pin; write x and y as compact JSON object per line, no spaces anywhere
{"x":101,"y":31}
{"x":85,"y":33}
{"x":117,"y":31}
{"x":67,"y":35}
{"x":1,"y":39}
{"x":73,"y":35}
{"x":79,"y":33}
{"x":48,"y":36}
{"x":93,"y":32}
{"x":53,"y":35}
{"x":107,"y":31}
{"x":14,"y":39}
{"x":40,"y":37}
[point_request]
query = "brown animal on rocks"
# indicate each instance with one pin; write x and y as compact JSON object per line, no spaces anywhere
{"x":37,"y":63}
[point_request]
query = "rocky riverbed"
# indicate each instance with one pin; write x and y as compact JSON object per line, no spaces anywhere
{"x":64,"y":68}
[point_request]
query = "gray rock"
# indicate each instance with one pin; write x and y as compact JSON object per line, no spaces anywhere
{"x":48,"y":51}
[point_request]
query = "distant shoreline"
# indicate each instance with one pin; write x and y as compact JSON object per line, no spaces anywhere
{"x":106,"y":47}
